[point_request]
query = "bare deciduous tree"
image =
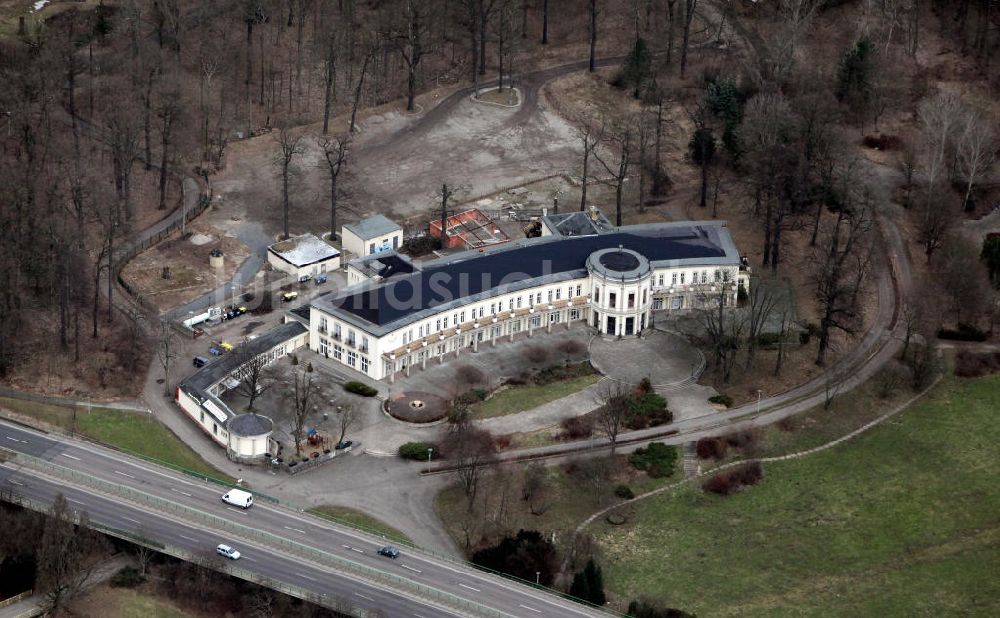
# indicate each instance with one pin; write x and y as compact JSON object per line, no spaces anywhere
{"x":68,"y":553}
{"x":615,"y":399}
{"x":252,"y":373}
{"x":301,"y":393}
{"x":473,"y":451}
{"x":347,"y":417}
{"x":335,"y":152}
{"x":620,"y":141}
{"x":976,"y":151}
{"x":289,"y":149}
{"x":840,"y":264}
{"x":166,"y":352}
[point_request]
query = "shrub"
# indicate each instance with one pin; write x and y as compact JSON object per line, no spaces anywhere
{"x":417,"y":451}
{"x":469,"y":397}
{"x":360,"y":388}
{"x":711,"y":448}
{"x":882,"y":142}
{"x":729,"y":481}
{"x":502,"y":441}
{"x":555,"y":373}
{"x":745,"y":439}
{"x":767,"y":340}
{"x":724,"y":400}
{"x":521,"y":556}
{"x":718,"y":484}
{"x":577,"y":427}
{"x":645,"y":607}
{"x":963,"y":332}
{"x":624,"y":491}
{"x":536,"y":354}
{"x":657,"y":455}
{"x":127,"y":577}
{"x":420,"y":245}
{"x":469,"y":375}
{"x":645,"y":386}
{"x":648,"y":410}
{"x":973,"y":364}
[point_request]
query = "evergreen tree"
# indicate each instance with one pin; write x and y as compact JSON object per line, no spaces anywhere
{"x":637,"y":67}
{"x":702,"y":149}
{"x":724,"y":99}
{"x":588,"y":584}
{"x":854,"y":76}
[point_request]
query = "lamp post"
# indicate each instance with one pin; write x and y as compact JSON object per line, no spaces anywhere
{"x":538,"y":577}
{"x":758,"y":402}
{"x":429,"y":452}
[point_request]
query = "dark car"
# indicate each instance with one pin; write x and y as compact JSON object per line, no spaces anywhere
{"x":344,"y":444}
{"x":199,"y":361}
{"x":388,"y":551}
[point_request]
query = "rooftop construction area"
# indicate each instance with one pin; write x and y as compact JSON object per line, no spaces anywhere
{"x":470,"y":229}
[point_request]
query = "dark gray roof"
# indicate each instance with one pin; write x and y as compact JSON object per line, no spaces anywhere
{"x":577,"y":223}
{"x":384,"y":265}
{"x":373,"y":227}
{"x":475,"y":275}
{"x":197,"y":385}
{"x":250,"y":425}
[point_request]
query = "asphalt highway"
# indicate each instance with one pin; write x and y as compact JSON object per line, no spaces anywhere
{"x":192,"y":535}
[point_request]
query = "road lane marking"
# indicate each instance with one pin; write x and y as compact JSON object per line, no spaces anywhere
{"x":130,"y":519}
{"x":364,"y":596}
{"x":470,"y":588}
{"x":73,"y":500}
{"x":123,"y":474}
{"x":295,"y":530}
{"x":183,"y":493}
{"x":237,"y":510}
{"x":17,"y":440}
{"x":13,"y":482}
{"x":532,"y":609}
{"x":248,"y":558}
{"x":188,"y":538}
{"x":306,"y":577}
{"x":70,"y":456}
{"x":411,"y":568}
{"x":360,"y":551}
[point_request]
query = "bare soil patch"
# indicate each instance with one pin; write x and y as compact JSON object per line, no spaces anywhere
{"x":187,"y":258}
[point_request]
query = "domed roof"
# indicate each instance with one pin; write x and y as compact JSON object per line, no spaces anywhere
{"x":250,"y":425}
{"x":618,"y":263}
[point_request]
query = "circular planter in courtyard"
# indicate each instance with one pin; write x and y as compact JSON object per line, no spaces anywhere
{"x":417,"y":407}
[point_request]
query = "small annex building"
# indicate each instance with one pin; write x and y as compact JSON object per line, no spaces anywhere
{"x":303,"y":256}
{"x":378,"y":267}
{"x":246,"y":437}
{"x":372,"y":235}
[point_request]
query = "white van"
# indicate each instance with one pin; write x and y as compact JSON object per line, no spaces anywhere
{"x":238,"y":497}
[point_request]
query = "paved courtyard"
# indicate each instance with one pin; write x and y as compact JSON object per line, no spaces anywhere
{"x":663,"y":357}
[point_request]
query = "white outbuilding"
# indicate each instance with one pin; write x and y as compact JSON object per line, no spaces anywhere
{"x":303,"y":256}
{"x":372,"y":235}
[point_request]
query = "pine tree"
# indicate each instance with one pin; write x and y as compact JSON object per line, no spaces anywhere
{"x":854,"y":76}
{"x":588,"y":584}
{"x":637,"y":67}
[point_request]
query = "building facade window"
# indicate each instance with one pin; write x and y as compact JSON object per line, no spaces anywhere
{"x":322,"y":325}
{"x":682,"y":278}
{"x":338,"y":352}
{"x":673,"y":278}
{"x":352,"y":358}
{"x":579,"y":289}
{"x":574,"y":314}
{"x":612,"y":300}
{"x":364,"y":364}
{"x":336,"y":331}
{"x":324,"y":347}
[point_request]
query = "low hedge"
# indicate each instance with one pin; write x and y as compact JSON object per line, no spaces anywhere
{"x":657,"y":459}
{"x":723,"y":400}
{"x":417,"y":451}
{"x":360,"y":388}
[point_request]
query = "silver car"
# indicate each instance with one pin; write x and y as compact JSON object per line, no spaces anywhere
{"x":228,"y":552}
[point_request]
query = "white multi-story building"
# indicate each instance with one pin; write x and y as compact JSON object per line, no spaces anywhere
{"x":613,"y":279}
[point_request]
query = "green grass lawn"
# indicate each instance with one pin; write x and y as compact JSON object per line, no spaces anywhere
{"x":133,"y":604}
{"x":358,"y":519}
{"x":902,"y":521}
{"x":130,"y":431}
{"x":520,"y":398}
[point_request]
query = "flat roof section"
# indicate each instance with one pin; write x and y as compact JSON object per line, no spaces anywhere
{"x":457,"y":279}
{"x":373,"y":227}
{"x":386,"y":264}
{"x":303,"y":250}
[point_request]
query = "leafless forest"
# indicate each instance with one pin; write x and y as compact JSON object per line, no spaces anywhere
{"x":108,"y":105}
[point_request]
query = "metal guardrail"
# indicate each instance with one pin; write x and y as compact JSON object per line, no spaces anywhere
{"x":17,"y":598}
{"x":162,"y":505}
